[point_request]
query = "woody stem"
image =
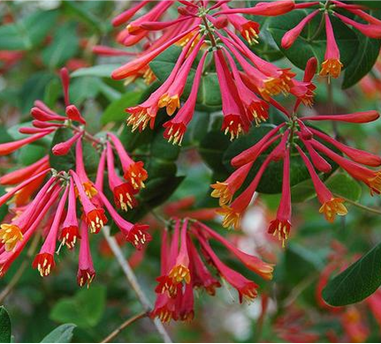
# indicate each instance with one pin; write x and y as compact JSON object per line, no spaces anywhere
{"x":128,"y":322}
{"x":131,"y":277}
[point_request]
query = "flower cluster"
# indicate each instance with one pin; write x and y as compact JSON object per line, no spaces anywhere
{"x":332,"y":65}
{"x":208,"y":37}
{"x":183,"y":269}
{"x":46,"y":200}
{"x":315,"y":148}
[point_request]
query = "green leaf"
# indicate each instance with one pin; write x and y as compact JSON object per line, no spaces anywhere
{"x":369,"y":3}
{"x":363,"y":61}
{"x":209,"y":95}
{"x":62,"y":334}
{"x":115,"y":112}
{"x":357,"y":282}
{"x":27,"y":32}
{"x":34,"y":88}
{"x":101,"y":71}
{"x":83,"y":89}
{"x":85,"y":309}
{"x":64,"y":46}
{"x":341,"y":184}
{"x":303,"y":48}
{"x":5,"y":326}
{"x":85,"y":16}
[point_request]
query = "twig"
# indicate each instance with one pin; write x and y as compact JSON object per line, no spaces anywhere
{"x":134,"y":282}
{"x":16,"y":277}
{"x":128,"y":322}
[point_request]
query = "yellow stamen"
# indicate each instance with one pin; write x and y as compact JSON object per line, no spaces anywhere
{"x":10,"y":235}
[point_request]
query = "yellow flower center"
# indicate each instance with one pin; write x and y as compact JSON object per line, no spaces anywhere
{"x":170,"y":103}
{"x":331,"y":67}
{"x":221,"y":191}
{"x":10,"y":235}
{"x":231,"y":217}
{"x":180,"y":273}
{"x":332,"y":208}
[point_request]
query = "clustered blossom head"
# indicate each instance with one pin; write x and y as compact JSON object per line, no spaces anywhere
{"x":331,"y":66}
{"x":45,"y":200}
{"x":205,"y":33}
{"x":184,"y":268}
{"x":314,"y":148}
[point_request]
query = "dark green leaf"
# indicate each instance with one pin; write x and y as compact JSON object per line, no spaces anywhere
{"x":62,"y":334}
{"x":357,"y":282}
{"x":101,"y":71}
{"x":115,"y":112}
{"x":83,"y":89}
{"x":85,"y":309}
{"x":64,"y":46}
{"x":363,"y":61}
{"x":5,"y":326}
{"x":341,"y":184}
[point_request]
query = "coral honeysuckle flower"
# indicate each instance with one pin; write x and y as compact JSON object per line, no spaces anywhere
{"x":134,"y":172}
{"x":331,"y":206}
{"x":281,"y":226}
{"x":176,"y":127}
{"x":87,"y":184}
{"x":246,"y":289}
{"x":86,"y":272}
{"x":332,"y":64}
{"x":136,"y":233}
{"x":10,"y":235}
{"x":44,"y":261}
{"x":123,"y":191}
{"x":70,"y":231}
{"x":94,"y":217}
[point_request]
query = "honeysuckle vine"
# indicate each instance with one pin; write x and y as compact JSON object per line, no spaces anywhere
{"x":69,"y":206}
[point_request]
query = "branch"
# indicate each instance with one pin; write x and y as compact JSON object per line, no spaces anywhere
{"x":128,"y":322}
{"x":130,"y":275}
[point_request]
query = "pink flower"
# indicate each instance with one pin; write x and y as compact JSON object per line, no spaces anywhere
{"x":86,"y":272}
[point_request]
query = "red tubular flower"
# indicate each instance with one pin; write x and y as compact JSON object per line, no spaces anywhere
{"x":87,"y":184}
{"x":7,"y":258}
{"x":247,"y":28}
{"x":201,"y":278}
{"x":226,"y":190}
{"x":136,"y":234}
{"x":175,"y":128}
{"x":354,"y":326}
{"x":186,"y":311}
{"x":253,"y":152}
{"x":331,"y":65}
{"x":246,"y":289}
{"x":169,"y":253}
{"x":23,"y":174}
{"x":135,"y":65}
{"x":94,"y":217}
{"x":41,"y":115}
{"x":134,"y":172}
{"x":86,"y":272}
{"x":128,"y":14}
{"x":63,"y":148}
{"x":74,"y":114}
{"x":267,"y":9}
{"x":257,"y":108}
{"x":251,"y":262}
{"x":70,"y":232}
{"x":10,"y":147}
{"x":171,"y":98}
{"x":305,"y":91}
{"x":356,"y":117}
{"x":5,"y":198}
{"x":123,"y":191}
{"x":235,"y":121}
{"x":44,"y":261}
{"x":180,"y":271}
{"x":330,"y":206}
{"x":281,"y":226}
{"x":370,"y":30}
{"x":371,"y":178}
{"x":354,"y":154}
{"x":290,"y":36}
{"x":164,"y":309}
